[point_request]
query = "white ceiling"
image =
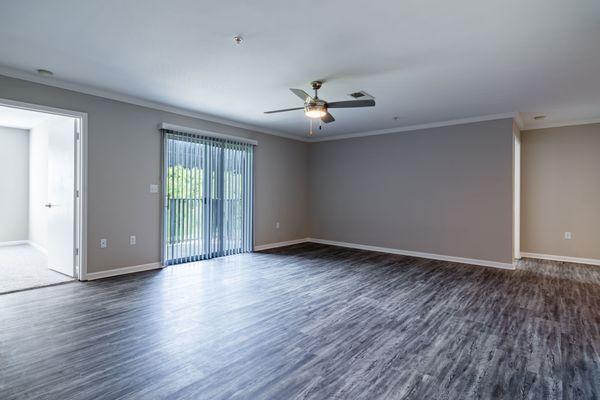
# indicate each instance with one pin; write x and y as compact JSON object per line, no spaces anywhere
{"x":424,"y":60}
{"x":23,"y":119}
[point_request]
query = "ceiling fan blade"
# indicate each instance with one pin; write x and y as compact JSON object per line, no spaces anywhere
{"x":327,"y":118}
{"x":284,"y":110}
{"x":301,"y":93}
{"x":351,"y":104}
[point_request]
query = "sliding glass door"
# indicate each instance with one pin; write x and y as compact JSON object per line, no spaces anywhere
{"x":208,"y":184}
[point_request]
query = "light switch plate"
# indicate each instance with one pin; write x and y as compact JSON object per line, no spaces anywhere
{"x":132,"y":240}
{"x":153,"y":188}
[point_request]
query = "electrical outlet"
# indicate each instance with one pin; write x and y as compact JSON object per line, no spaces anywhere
{"x":103,"y":243}
{"x":132,"y":240}
{"x":277,"y":225}
{"x":153,"y":188}
{"x":568,"y":235}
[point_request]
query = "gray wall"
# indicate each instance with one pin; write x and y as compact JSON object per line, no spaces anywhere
{"x":14,"y":184}
{"x":561,"y":191}
{"x":444,"y":191}
{"x":124,"y":159}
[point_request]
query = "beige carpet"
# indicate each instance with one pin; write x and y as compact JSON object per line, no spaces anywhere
{"x":24,"y":267}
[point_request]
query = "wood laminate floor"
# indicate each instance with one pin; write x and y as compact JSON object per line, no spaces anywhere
{"x":309,"y":322}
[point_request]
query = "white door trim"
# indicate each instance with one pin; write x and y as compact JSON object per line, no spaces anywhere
{"x":81,"y":179}
{"x":517,"y":150}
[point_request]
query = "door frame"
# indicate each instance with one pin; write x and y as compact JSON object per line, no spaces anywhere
{"x":81,"y":157}
{"x":517,"y":151}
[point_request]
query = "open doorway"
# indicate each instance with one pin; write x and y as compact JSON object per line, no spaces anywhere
{"x":42,"y":207}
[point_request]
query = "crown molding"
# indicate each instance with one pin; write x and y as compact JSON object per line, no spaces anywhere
{"x":519,"y":121}
{"x":107,"y":94}
{"x":85,"y":89}
{"x":408,"y":128}
{"x":546,"y":125}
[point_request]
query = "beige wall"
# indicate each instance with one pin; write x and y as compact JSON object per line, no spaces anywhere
{"x":445,"y":191}
{"x":124,"y":159}
{"x":14,"y":184}
{"x":561,"y":191}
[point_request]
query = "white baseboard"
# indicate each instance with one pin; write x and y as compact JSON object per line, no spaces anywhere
{"x":13,"y":243}
{"x":485,"y":263}
{"x":37,"y":246}
{"x":551,"y":257}
{"x":122,"y":271}
{"x":22,"y":242}
{"x":279,"y":244}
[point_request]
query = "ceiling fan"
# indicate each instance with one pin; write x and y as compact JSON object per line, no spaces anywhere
{"x":316,"y":108}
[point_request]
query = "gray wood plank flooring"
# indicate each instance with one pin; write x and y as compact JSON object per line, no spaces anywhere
{"x":309,"y":322}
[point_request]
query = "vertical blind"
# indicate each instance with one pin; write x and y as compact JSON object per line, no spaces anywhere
{"x":208,"y":193}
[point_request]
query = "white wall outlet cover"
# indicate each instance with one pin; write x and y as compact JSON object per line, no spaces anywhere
{"x":103,"y":243}
{"x":277,"y":225}
{"x":568,"y":235}
{"x":153,"y":188}
{"x":132,"y":240}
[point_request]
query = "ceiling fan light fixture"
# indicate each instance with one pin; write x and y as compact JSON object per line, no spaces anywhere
{"x":315,"y":111}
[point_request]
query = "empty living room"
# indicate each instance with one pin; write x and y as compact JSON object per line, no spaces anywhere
{"x":282,"y":200}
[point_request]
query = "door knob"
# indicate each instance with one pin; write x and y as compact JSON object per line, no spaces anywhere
{"x":48,"y":205}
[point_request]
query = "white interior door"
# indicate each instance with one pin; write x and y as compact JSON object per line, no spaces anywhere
{"x":61,"y":196}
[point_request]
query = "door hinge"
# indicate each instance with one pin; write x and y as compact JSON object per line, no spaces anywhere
{"x":77,"y":135}
{"x":76,"y":252}
{"x":77,"y":193}
{"x":77,"y":128}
